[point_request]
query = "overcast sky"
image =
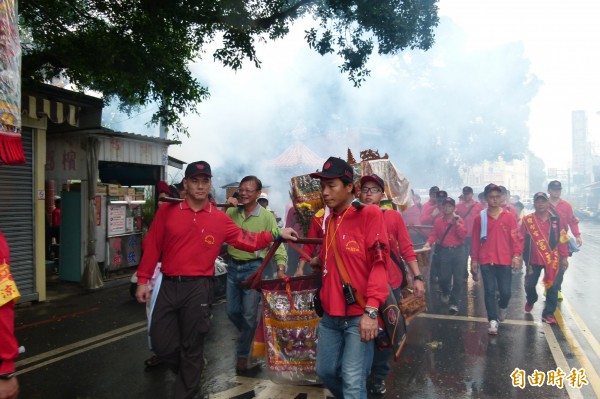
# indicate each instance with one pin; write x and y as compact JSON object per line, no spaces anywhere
{"x":559,"y":38}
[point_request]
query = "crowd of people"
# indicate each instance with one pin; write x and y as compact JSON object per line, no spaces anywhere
{"x":364,"y":247}
{"x":494,"y":237}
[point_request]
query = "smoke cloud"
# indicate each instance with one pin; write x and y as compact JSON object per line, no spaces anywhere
{"x":430,"y":111}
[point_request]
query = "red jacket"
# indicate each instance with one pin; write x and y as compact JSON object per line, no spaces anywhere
{"x":503,"y":240}
{"x":187,"y":242}
{"x":412,"y":216}
{"x":9,"y":349}
{"x":456,"y":235}
{"x":564,"y":210}
{"x":360,"y":237}
{"x":468,"y":213}
{"x":400,"y":245}
{"x":315,"y":230}
{"x":427,"y":218}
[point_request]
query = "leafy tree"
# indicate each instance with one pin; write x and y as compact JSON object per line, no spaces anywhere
{"x":138,"y":51}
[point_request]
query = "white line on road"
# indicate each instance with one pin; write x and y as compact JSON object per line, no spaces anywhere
{"x":559,"y":358}
{"x":266,"y":389}
{"x":477,"y":319}
{"x":104,"y":338}
{"x":590,"y":371}
{"x":585,"y":330}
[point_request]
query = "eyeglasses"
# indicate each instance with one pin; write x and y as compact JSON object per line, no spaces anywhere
{"x":374,"y":190}
{"x":241,"y":191}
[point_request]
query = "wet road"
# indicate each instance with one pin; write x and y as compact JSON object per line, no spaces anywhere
{"x":93,"y":346}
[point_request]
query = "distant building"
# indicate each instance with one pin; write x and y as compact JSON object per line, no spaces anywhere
{"x":581,"y":164}
{"x":514,"y":175}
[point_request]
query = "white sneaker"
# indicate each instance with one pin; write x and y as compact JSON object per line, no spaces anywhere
{"x":502,"y":314}
{"x":453,"y":309}
{"x":493,"y":328}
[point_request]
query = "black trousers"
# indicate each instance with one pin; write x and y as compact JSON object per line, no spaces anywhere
{"x":180,"y":321}
{"x":451,"y":271}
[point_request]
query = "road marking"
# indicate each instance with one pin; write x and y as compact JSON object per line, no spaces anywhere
{"x":589,"y":337}
{"x":55,"y":319}
{"x":477,"y":319}
{"x":104,"y":338}
{"x":266,"y":389}
{"x":590,"y":371}
{"x":559,"y":358}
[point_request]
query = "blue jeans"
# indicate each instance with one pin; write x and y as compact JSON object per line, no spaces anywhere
{"x":496,"y":277}
{"x":531,"y":280}
{"x":343,"y":360}
{"x":242,"y":304}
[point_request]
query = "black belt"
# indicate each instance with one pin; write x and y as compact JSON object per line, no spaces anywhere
{"x":183,"y":279}
{"x":453,"y":247}
{"x":241,"y":262}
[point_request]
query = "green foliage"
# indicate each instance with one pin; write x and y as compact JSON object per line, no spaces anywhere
{"x":138,"y":51}
{"x":148,"y":212}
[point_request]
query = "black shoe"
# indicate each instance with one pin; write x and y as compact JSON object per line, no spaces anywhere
{"x":377,"y":387}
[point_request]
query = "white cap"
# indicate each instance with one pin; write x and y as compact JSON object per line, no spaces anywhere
{"x":263,"y":196}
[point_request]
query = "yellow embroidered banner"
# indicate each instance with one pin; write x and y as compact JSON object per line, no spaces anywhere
{"x":540,"y":240}
{"x":8,"y":288}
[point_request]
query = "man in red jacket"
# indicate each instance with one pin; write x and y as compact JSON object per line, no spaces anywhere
{"x":564,"y":210}
{"x":371,"y":193}
{"x":467,"y":209}
{"x":9,"y":386}
{"x":449,"y":234}
{"x":354,"y":256}
{"x":187,"y":238}
{"x":496,"y":247}
{"x":545,"y":252}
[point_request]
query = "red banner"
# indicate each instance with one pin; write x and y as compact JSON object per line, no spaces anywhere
{"x":11,"y":146}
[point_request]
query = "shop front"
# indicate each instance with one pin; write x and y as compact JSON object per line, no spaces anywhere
{"x":104,"y":184}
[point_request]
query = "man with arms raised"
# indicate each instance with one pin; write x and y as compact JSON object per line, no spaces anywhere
{"x":353,"y":257}
{"x":187,"y":238}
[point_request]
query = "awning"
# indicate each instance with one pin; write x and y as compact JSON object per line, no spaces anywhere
{"x":57,"y":111}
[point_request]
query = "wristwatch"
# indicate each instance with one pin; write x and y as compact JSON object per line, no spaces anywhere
{"x":7,"y":376}
{"x":371,"y":313}
{"x":419,"y":277}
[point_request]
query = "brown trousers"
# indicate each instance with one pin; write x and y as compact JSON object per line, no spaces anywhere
{"x":180,"y":321}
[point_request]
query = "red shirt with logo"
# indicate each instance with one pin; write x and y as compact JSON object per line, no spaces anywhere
{"x":468,"y":211}
{"x":400,"y":245}
{"x":564,"y":210}
{"x":503,"y":240}
{"x":188,"y":242}
{"x":456,"y":235}
{"x":361,"y":240}
{"x":9,"y":349}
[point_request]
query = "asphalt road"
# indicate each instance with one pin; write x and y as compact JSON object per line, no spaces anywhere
{"x":92,"y":345}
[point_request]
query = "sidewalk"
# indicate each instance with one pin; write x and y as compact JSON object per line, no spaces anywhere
{"x":57,"y":289}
